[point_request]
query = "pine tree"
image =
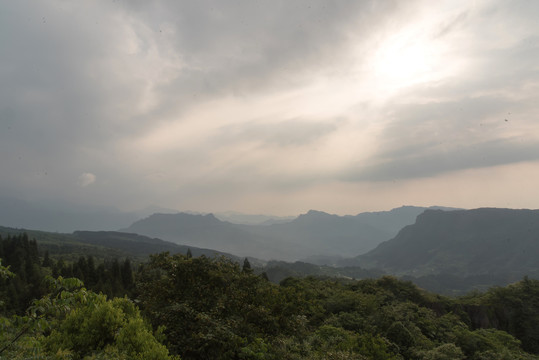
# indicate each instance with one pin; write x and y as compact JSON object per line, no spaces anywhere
{"x":46,"y":260}
{"x":246,"y":266}
{"x":127,"y":275}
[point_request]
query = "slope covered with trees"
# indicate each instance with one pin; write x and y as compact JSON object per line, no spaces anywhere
{"x":104,"y":244}
{"x":111,"y":276}
{"x":214,"y":309}
{"x":465,"y":242}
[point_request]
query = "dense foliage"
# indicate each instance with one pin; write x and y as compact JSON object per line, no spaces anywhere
{"x":70,"y":322}
{"x":112,"y":277}
{"x":514,"y":308}
{"x":213,"y":309}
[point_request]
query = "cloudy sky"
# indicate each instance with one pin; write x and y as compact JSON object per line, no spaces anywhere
{"x":271,"y":107}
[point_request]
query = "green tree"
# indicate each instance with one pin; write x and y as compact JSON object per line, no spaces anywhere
{"x":4,"y":271}
{"x":47,"y":262}
{"x":127,"y":275}
{"x":4,"y":275}
{"x":246,"y":266}
{"x":210,"y":308}
{"x":71,"y":322}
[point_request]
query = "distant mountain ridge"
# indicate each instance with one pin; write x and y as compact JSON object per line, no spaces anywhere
{"x":309,"y":235}
{"x":204,"y":231}
{"x":464,"y":243}
{"x":318,"y":232}
{"x":449,"y":252}
{"x":249,"y":219}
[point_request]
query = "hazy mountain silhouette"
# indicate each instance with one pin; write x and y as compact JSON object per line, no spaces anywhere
{"x":462,"y":243}
{"x":309,"y":235}
{"x":323,"y":233}
{"x":204,"y":231}
{"x":339,"y":237}
{"x":249,"y":219}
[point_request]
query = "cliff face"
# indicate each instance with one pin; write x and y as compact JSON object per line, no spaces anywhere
{"x":463,"y":242}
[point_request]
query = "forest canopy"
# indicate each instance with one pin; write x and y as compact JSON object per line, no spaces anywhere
{"x":216,"y":308}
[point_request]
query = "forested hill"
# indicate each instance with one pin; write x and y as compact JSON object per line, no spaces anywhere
{"x":105,"y":244}
{"x":138,"y":245}
{"x":464,"y":242}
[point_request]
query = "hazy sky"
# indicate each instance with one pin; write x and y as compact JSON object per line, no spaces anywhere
{"x":270,"y":107}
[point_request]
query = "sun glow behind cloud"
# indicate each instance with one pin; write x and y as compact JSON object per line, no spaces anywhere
{"x":252,"y":135}
{"x":179,"y":103}
{"x":415,"y":53}
{"x":403,"y":60}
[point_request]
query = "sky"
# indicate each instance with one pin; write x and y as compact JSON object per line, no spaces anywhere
{"x":272,"y":107}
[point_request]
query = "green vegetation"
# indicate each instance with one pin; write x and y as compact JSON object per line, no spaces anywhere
{"x":211,"y":308}
{"x":215,"y":308}
{"x":70,"y":322}
{"x":113,"y":277}
{"x":21,"y":256}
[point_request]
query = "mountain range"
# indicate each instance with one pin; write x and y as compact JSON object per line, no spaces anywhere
{"x":443,"y":251}
{"x":68,"y":217}
{"x":315,"y":235}
{"x":449,"y":252}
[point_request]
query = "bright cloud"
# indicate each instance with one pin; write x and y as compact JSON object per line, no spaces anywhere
{"x":86,"y":179}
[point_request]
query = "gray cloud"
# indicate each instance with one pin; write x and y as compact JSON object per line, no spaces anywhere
{"x":292,"y":132}
{"x":483,"y":118}
{"x":436,"y":161}
{"x":85,"y":85}
{"x":440,"y":137}
{"x":242,"y":48}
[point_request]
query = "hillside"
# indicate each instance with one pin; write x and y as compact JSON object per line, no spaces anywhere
{"x":105,"y":244}
{"x":462,"y":243}
{"x":138,"y":245}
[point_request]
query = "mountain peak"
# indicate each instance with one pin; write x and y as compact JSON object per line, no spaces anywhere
{"x":314,"y":215}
